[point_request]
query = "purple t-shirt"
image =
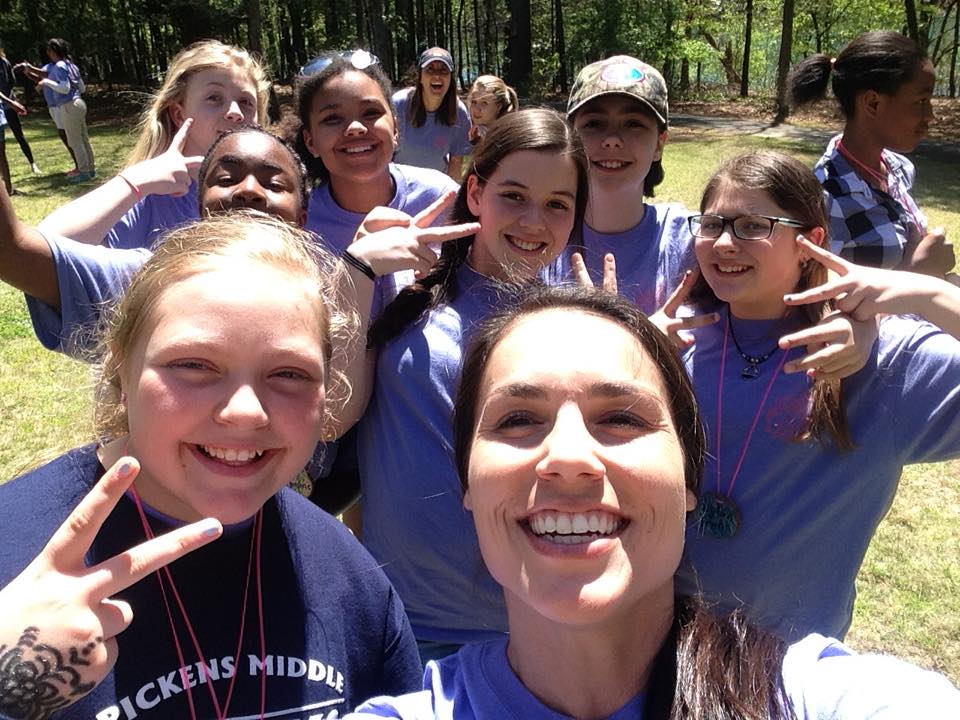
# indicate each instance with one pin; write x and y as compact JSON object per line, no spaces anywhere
{"x":143,"y":224}
{"x":432,"y":144}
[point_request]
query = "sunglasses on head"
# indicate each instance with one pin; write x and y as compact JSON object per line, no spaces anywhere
{"x":360,"y":59}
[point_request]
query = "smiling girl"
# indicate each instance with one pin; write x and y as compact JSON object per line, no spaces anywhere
{"x":213,"y":394}
{"x":884,"y":83}
{"x":208,"y":89}
{"x":434,"y":123}
{"x":490,"y":98}
{"x":800,"y":472}
{"x":346,"y":132}
{"x":67,"y":283}
{"x":619,"y":107}
{"x":527,"y":187}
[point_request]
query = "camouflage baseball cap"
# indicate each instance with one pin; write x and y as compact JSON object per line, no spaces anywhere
{"x":621,"y":75}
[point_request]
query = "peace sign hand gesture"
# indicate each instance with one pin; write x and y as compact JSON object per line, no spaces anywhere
{"x":389,"y":240}
{"x":666,"y":317}
{"x":169,"y":172}
{"x":58,"y":622}
{"x":861,"y":292}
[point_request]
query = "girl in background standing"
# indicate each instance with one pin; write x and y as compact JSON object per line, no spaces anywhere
{"x":209,"y":88}
{"x":884,"y":83}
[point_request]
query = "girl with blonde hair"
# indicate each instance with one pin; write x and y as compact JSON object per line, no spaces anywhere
{"x":209,"y":88}
{"x":490,"y":98}
{"x":214,"y":391}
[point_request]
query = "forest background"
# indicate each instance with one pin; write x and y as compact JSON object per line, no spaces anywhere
{"x":742,"y":46}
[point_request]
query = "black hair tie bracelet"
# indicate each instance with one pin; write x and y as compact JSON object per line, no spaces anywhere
{"x":362,"y":266}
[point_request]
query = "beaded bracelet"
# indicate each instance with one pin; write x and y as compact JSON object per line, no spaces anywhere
{"x":361,"y":265}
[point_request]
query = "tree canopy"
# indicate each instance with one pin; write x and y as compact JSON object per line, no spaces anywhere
{"x":536,"y":45}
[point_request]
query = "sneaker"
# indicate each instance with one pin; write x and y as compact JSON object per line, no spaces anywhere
{"x":36,"y":169}
{"x":73,"y":173}
{"x":80,"y":178}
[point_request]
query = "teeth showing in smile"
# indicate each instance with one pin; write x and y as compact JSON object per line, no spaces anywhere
{"x":358,"y":149}
{"x":574,"y":528}
{"x":732,"y":268}
{"x":231,"y":454}
{"x":525,"y":244}
{"x":610,"y":164}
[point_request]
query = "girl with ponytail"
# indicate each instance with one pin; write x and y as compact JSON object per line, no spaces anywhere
{"x":527,"y":187}
{"x":884,"y":83}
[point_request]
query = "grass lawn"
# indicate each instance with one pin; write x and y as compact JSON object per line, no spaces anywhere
{"x":909,"y":601}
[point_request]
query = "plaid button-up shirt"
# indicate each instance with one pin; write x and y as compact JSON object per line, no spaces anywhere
{"x":869,"y":226}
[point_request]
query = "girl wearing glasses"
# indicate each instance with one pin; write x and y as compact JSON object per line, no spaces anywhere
{"x":801,"y":471}
{"x":209,"y":88}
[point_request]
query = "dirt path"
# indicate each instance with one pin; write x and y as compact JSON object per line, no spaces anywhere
{"x":819,"y":136}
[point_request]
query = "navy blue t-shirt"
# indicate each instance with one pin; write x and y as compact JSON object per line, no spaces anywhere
{"x":335,"y":630}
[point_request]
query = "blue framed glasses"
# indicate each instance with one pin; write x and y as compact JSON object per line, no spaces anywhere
{"x":360,"y":59}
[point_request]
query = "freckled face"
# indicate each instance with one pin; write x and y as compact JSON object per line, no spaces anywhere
{"x":526,"y":211}
{"x":576,"y":476}
{"x":225,"y":391}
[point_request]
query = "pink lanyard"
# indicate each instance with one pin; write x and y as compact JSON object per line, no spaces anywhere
{"x":255,"y":544}
{"x":756,"y":417}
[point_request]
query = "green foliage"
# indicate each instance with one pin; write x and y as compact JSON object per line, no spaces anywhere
{"x":131,"y":41}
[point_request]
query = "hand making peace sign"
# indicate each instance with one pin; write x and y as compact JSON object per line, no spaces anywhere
{"x":389,"y":240}
{"x":58,"y":621}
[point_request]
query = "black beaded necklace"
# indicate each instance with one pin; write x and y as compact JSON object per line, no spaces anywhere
{"x":751,"y":371}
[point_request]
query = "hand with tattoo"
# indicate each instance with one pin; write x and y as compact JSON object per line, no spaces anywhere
{"x":58,"y":623}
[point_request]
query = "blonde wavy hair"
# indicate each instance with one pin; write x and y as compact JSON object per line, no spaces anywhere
{"x":187,"y":251}
{"x":156,"y":126}
{"x":504,"y":95}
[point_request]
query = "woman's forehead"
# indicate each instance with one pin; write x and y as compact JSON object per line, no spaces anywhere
{"x":568,"y":341}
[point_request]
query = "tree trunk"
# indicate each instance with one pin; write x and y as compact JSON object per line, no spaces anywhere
{"x":783,"y":64}
{"x":461,"y":61}
{"x":421,"y":26}
{"x":561,"y":46}
{"x":490,"y":35}
{"x":519,"y":56}
{"x":254,"y":27}
{"x":360,"y":23}
{"x":913,"y":30}
{"x":747,"y":37}
{"x":407,"y":37}
{"x":298,"y":50}
{"x":953,"y":52}
{"x":380,"y":37}
{"x":478,"y":31}
{"x":726,"y":60}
